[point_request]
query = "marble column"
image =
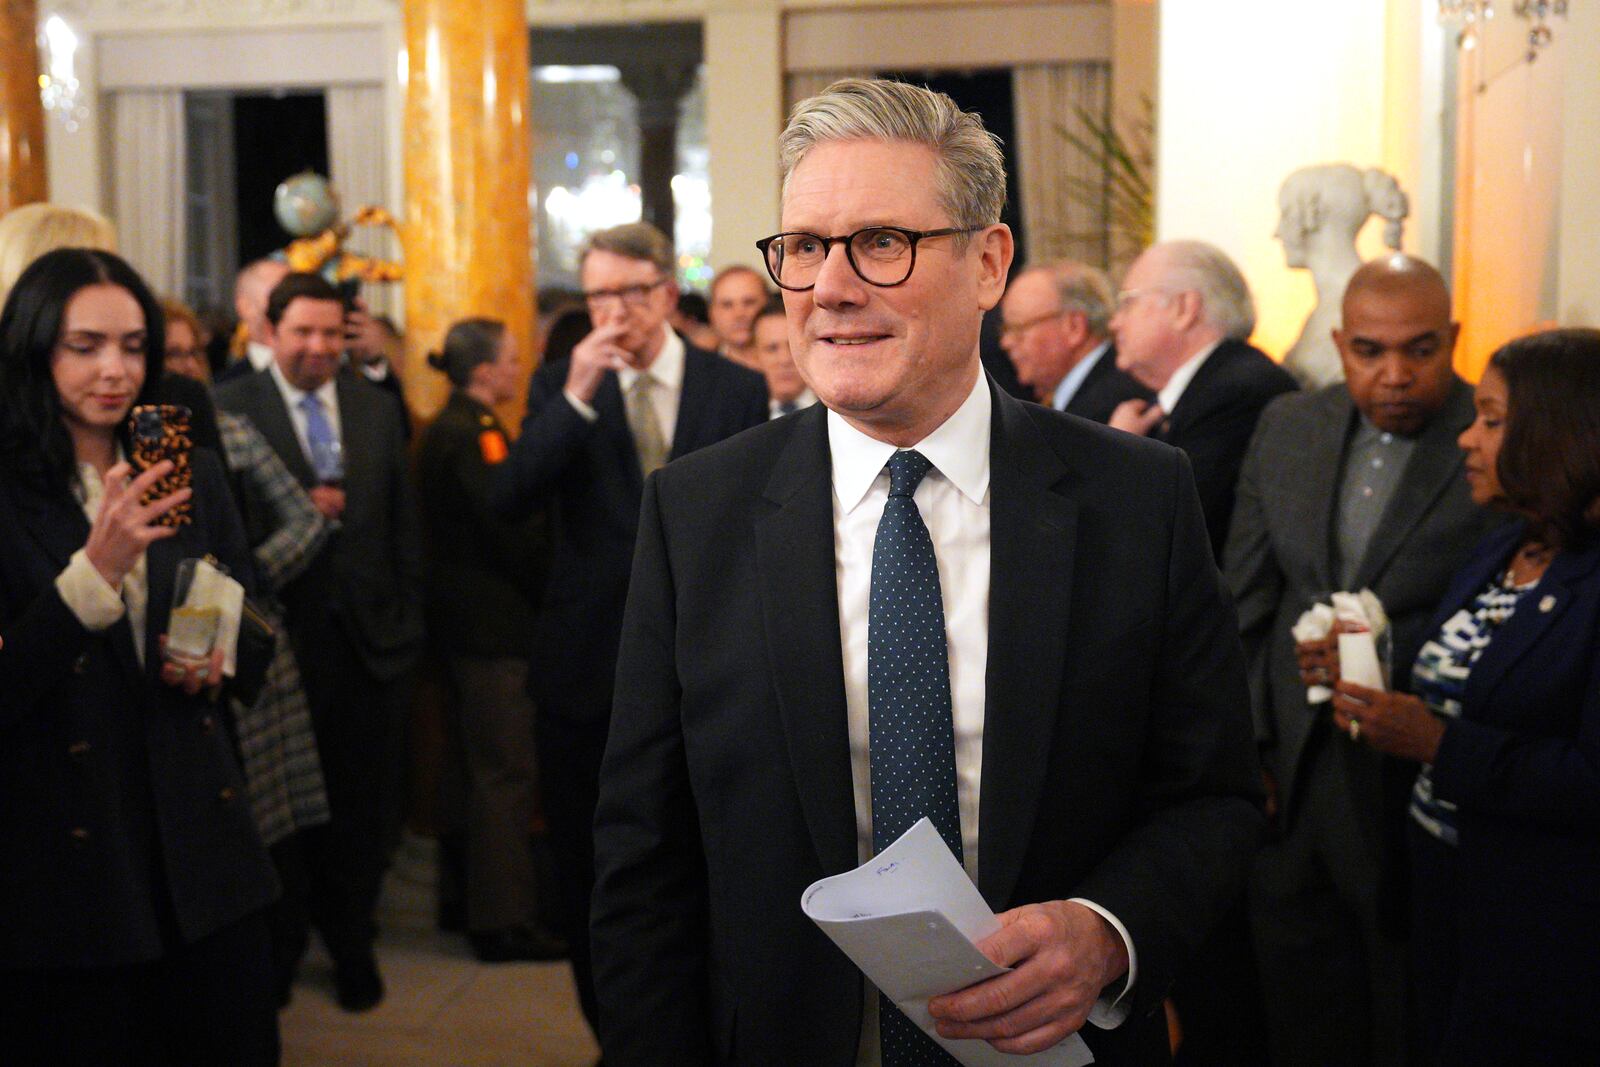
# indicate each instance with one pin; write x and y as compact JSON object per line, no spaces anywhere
{"x":467,"y":230}
{"x":22,"y":170}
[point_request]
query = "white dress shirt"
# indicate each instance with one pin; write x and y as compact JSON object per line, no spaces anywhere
{"x":667,"y":370}
{"x":326,"y":392}
{"x":953,"y":499}
{"x":1172,"y":392}
{"x":260,"y":356}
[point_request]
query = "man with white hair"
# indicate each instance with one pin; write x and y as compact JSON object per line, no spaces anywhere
{"x":1182,"y":325}
{"x":918,"y":599}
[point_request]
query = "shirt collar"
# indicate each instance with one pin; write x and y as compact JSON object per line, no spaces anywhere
{"x":1074,"y":378}
{"x":958,"y":449}
{"x":667,"y":369}
{"x":292,"y":396}
{"x":259,"y":355}
{"x":1172,"y":392}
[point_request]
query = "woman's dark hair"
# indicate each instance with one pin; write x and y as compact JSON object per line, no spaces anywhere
{"x":469,"y":343}
{"x":34,"y":443}
{"x":567,"y":329}
{"x":1549,"y":463}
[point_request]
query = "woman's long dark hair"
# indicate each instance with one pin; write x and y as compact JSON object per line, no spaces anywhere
{"x":1549,"y":463}
{"x":34,"y":444}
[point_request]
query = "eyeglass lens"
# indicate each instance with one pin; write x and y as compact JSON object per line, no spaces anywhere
{"x":880,"y":256}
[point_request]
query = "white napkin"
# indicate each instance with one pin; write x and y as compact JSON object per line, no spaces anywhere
{"x":1363,"y":610}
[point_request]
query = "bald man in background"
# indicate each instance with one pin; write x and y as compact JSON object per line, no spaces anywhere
{"x":1356,"y":485}
{"x":250,"y":291}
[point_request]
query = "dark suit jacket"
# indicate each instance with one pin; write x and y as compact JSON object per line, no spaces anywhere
{"x":1103,"y":389}
{"x":1214,"y":419}
{"x":484,"y":574}
{"x":590,"y":473}
{"x":1280,"y":558}
{"x":1522,"y":765}
{"x":115,"y":789}
{"x":369,"y":574}
{"x":1117,"y":762}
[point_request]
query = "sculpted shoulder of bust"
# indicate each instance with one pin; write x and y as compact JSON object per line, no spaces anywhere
{"x":1321,"y":211}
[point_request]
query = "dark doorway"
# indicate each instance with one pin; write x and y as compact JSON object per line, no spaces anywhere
{"x":987,"y":92}
{"x":274,"y":137}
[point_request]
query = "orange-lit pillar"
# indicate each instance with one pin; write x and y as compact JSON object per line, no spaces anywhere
{"x":468,"y":234}
{"x":22,"y":173}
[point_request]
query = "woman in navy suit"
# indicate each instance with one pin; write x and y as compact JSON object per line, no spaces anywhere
{"x":132,"y":878}
{"x":1505,"y":815}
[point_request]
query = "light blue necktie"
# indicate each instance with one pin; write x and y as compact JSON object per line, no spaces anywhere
{"x":911,"y":737}
{"x":327,"y":458}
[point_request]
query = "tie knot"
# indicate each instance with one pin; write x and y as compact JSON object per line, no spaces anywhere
{"x":641,"y":385}
{"x":905,"y":472}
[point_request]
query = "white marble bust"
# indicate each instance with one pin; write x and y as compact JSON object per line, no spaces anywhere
{"x":1321,"y":210}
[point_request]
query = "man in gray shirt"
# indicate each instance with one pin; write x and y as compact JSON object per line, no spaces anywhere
{"x":1357,"y":485}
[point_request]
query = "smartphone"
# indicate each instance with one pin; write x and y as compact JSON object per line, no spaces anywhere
{"x":161,"y":432}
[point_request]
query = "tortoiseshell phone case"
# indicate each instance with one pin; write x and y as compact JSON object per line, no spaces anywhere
{"x":158,"y":432}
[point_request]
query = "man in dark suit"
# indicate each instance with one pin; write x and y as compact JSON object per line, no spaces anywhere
{"x":918,"y":598}
{"x":1182,"y":322}
{"x":632,"y":396}
{"x":354,"y":615}
{"x":1357,"y":485}
{"x":1055,"y":332}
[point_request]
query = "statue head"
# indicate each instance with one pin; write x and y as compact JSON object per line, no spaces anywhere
{"x":1327,"y":205}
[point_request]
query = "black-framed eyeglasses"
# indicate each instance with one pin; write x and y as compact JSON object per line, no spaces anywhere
{"x":883,"y":256}
{"x":628,"y":295}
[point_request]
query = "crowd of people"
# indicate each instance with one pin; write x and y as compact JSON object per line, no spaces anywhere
{"x":759,"y":583}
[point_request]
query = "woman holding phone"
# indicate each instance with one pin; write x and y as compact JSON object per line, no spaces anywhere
{"x":132,"y":879}
{"x":1505,"y":815}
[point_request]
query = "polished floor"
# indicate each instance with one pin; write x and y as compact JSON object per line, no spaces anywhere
{"x":443,"y":1007}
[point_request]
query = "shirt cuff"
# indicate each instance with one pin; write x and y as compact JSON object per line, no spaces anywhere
{"x":1111,"y":1010}
{"x":587,"y":411}
{"x":88,"y":595}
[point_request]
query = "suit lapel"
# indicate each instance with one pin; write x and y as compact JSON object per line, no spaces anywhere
{"x":801,"y":619}
{"x":1538,"y":610}
{"x":1032,"y":536}
{"x":694,"y":403}
{"x":271,"y":417}
{"x":1435,"y":463}
{"x":1324,"y":450}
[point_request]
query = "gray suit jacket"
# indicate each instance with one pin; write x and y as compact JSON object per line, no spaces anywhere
{"x":369,"y":574}
{"x":1279,"y":556}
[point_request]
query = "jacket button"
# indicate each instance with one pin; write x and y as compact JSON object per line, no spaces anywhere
{"x":207,"y":724}
{"x":81,"y":664}
{"x":80,"y":835}
{"x":227,"y":794}
{"x":78,"y":749}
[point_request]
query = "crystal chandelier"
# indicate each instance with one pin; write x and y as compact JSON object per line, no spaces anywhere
{"x":1469,"y":16}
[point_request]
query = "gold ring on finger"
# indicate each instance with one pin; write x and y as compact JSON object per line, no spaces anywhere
{"x":1355,"y":729}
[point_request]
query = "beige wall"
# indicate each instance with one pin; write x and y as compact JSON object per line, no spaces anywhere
{"x":744,"y":115}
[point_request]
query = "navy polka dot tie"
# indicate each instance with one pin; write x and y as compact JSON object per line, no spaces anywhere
{"x":911,"y":738}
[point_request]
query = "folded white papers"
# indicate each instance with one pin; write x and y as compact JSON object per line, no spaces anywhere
{"x":1364,"y":612}
{"x":909,"y":918}
{"x":1358,"y":659}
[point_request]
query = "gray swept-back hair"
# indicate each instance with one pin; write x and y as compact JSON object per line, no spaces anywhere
{"x":1080,"y":287}
{"x":971,"y":171}
{"x":1207,"y":270}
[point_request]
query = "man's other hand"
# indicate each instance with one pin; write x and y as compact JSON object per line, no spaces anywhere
{"x":1136,"y":416}
{"x":1062,"y":954}
{"x":329,"y":500}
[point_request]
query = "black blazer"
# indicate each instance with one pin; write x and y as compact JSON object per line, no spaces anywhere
{"x":369,"y":574}
{"x":1118,"y":764}
{"x":590,"y":473}
{"x":1104,"y":388}
{"x":1522,"y":765}
{"x":122,"y":805}
{"x":484,"y":574}
{"x":1213,"y":422}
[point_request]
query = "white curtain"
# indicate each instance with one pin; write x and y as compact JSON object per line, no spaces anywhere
{"x":1062,"y":206}
{"x":797,"y":86}
{"x":359,"y":173}
{"x":148,"y":186}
